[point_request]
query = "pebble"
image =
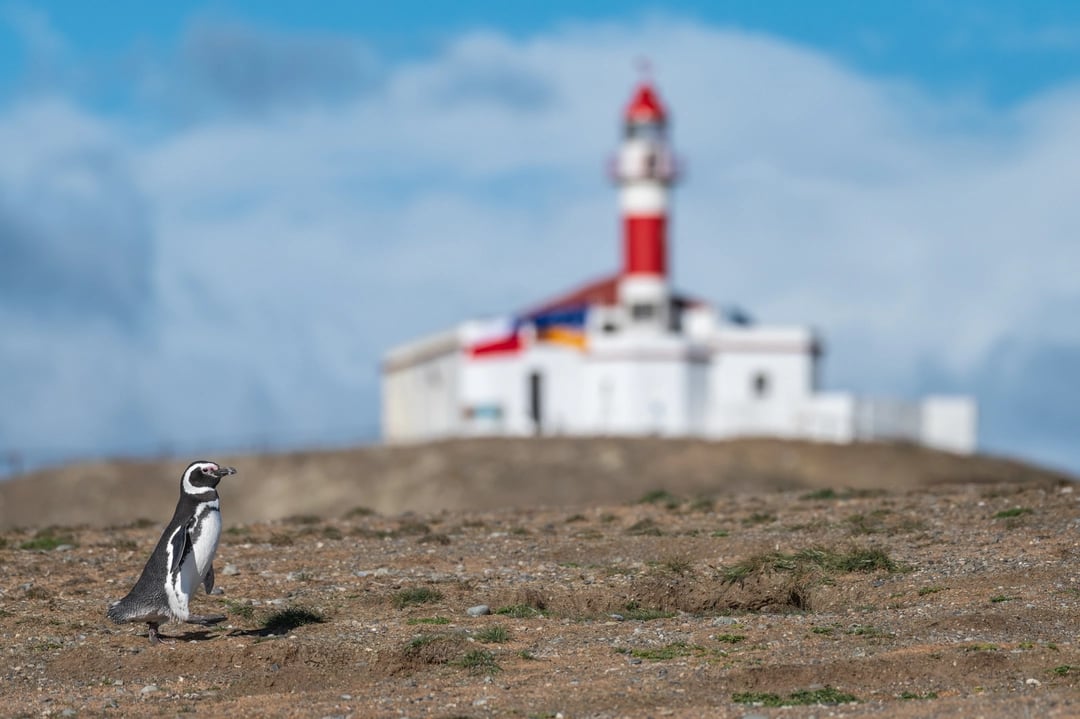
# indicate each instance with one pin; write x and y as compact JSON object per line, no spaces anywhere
{"x":723,"y":621}
{"x":230,"y":570}
{"x":148,"y":689}
{"x":64,"y":547}
{"x":478,"y":611}
{"x":68,"y":713}
{"x":217,"y":590}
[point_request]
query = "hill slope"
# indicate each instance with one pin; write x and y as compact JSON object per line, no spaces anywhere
{"x":487,"y":474}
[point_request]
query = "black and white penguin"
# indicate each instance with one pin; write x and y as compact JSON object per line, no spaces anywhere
{"x":182,"y":559}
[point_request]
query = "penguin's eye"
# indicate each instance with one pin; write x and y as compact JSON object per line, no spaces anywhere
{"x":206,"y":470}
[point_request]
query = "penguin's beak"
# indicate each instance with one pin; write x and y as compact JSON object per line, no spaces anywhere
{"x":225,"y":471}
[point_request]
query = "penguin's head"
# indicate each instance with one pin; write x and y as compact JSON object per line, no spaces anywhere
{"x":201,"y":477}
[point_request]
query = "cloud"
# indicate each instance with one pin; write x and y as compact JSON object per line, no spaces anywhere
{"x":313,"y":211}
{"x":230,"y":67}
{"x":75,"y":236}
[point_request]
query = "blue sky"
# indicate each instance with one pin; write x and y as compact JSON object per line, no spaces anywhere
{"x":214,"y":217}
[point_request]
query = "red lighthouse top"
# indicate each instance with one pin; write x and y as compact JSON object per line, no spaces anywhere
{"x":645,"y":105}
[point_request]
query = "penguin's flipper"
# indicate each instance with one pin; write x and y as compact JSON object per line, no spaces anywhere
{"x":208,"y":580}
{"x":180,"y":542}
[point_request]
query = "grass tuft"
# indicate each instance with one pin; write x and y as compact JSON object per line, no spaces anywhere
{"x":520,"y":611}
{"x":480,"y":661}
{"x":634,"y":611}
{"x":416,"y":595}
{"x":660,"y":496}
{"x":855,"y":559}
{"x":48,"y":539}
{"x":495,"y":634}
{"x":1013,"y":512}
{"x":802,"y":697}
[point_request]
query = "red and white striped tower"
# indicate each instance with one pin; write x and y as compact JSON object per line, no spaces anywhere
{"x":644,"y":170}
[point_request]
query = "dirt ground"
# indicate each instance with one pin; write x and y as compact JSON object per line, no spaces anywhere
{"x":959,"y":599}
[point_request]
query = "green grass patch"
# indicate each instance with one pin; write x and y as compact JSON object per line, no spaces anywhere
{"x":416,"y":595}
{"x":674,"y":650}
{"x":1064,"y":670}
{"x":636,"y":612}
{"x":356,"y":512}
{"x":865,"y":630}
{"x":660,"y":496}
{"x":981,"y":647}
{"x":923,"y":591}
{"x":731,"y":638}
{"x":719,"y":533}
{"x":824,"y":631}
{"x":760,"y":518}
{"x":520,"y":611}
{"x":427,"y":620}
{"x":291,"y":618}
{"x":48,"y":539}
{"x":645,"y":528}
{"x":822,"y":494}
{"x":855,"y":559}
{"x":1013,"y":512}
{"x":999,"y":598}
{"x":480,"y":661}
{"x":914,"y":695}
{"x":239,"y":609}
{"x":495,"y":634}
{"x":802,"y":697}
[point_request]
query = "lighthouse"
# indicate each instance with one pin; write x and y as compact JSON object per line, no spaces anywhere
{"x":644,"y":170}
{"x":630,"y":354}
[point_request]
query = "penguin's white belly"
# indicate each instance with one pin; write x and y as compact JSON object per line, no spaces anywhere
{"x":206,"y":541}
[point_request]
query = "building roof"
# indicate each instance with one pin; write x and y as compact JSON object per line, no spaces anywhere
{"x":604,"y":291}
{"x":645,"y":105}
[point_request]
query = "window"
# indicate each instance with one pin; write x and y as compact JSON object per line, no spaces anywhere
{"x":642,"y":311}
{"x":759,"y":387}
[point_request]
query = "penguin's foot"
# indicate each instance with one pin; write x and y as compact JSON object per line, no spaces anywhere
{"x":206,"y":619}
{"x":155,"y":638}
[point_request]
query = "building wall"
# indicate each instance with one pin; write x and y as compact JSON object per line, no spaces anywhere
{"x":644,"y":387}
{"x":638,"y":383}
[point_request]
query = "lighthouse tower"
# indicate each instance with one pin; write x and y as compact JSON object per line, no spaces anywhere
{"x":644,"y":169}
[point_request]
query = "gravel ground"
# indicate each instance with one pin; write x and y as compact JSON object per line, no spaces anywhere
{"x":950,"y":600}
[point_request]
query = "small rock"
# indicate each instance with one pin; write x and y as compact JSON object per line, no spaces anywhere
{"x":68,"y":713}
{"x":724,"y":621}
{"x":148,"y":689}
{"x":617,"y":617}
{"x":346,"y":697}
{"x":478,"y":611}
{"x":64,"y":547}
{"x":1033,"y":682}
{"x":217,"y":590}
{"x":230,"y":570}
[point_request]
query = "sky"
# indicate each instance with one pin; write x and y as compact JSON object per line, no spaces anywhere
{"x":215,"y":217}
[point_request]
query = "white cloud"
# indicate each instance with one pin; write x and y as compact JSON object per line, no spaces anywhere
{"x":288,"y":249}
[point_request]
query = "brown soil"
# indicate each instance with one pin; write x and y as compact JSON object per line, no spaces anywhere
{"x":924,"y":600}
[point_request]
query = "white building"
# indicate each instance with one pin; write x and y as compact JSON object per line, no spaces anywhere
{"x":629,"y":355}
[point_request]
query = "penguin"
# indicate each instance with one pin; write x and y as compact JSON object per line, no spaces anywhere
{"x":182,"y":559}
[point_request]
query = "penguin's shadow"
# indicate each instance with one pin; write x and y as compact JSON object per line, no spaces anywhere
{"x":200,"y":635}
